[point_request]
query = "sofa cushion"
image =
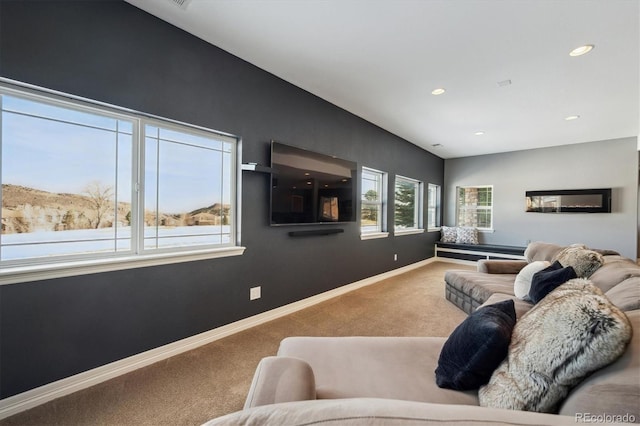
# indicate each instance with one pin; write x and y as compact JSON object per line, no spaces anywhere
{"x":522,"y":283}
{"x":584,"y":261}
{"x":500,"y":266}
{"x":380,"y":412}
{"x":626,"y":295}
{"x":548,"y":279}
{"x":615,"y":270}
{"x":541,"y":251}
{"x":613,"y":390}
{"x":521,"y":306}
{"x":476,"y":347}
{"x":478,"y":285}
{"x":572,"y":332}
{"x":375,"y":367}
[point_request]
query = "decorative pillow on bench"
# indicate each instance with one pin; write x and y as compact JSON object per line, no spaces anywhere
{"x":572,"y":332}
{"x":448,"y":234}
{"x":466,"y":235}
{"x":459,"y":234}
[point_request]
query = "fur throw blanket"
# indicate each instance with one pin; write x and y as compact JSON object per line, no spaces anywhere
{"x":572,"y":332}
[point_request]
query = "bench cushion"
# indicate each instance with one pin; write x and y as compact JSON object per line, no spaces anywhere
{"x":488,"y":248}
{"x":402,"y":368}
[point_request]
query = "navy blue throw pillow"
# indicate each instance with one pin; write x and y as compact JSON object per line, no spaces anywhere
{"x":476,"y":347}
{"x":545,"y":281}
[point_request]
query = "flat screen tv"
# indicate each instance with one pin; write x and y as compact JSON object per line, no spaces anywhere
{"x":310,"y":188}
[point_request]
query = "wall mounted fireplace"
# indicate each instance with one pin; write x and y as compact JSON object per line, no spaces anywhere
{"x":569,"y":201}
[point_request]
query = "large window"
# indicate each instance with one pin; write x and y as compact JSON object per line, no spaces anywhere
{"x":433,"y":207}
{"x":475,"y":206}
{"x":373,"y":203}
{"x":84,"y":182}
{"x":408,"y":205}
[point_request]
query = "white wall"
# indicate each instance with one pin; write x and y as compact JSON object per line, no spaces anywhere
{"x":603,"y":164}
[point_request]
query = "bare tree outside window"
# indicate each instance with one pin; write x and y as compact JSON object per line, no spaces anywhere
{"x":101,"y":201}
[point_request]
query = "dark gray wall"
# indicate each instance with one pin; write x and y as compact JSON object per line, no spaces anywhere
{"x":112,"y":52}
{"x":603,"y":164}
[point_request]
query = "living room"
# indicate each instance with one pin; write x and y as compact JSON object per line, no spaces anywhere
{"x":115,"y":53}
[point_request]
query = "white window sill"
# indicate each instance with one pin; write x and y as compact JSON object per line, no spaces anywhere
{"x":374,"y":235}
{"x":20,"y":274}
{"x":399,"y":232}
{"x":437,"y":229}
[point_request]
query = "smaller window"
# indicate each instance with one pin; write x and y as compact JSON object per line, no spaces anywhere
{"x":373,"y":203}
{"x":433,"y":207}
{"x":475,"y":206}
{"x":408,"y":205}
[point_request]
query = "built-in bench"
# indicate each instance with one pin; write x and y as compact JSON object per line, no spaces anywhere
{"x":475,"y":252}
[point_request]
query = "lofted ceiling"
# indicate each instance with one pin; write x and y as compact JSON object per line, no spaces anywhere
{"x":504,"y":64}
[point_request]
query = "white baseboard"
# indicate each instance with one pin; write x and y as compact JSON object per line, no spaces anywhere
{"x":34,"y":397}
{"x":452,"y":260}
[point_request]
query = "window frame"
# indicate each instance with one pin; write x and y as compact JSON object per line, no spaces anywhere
{"x":418,"y":227}
{"x":31,"y":269}
{"x":437,"y":207}
{"x":381,"y":231}
{"x":489,"y":208}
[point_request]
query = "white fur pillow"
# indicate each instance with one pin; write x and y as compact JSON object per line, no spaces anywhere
{"x":569,"y":334}
{"x":584,"y":261}
{"x":523,"y":280}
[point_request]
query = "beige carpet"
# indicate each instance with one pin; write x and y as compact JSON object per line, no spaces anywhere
{"x":213,"y":380}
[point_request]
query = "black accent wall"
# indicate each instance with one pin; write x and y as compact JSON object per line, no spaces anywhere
{"x":113,"y":52}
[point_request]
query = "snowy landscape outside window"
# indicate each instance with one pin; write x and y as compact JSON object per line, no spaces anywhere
{"x":85,"y":182}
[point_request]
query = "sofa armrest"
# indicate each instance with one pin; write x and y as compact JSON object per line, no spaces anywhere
{"x":281,"y":379}
{"x":501,"y":266}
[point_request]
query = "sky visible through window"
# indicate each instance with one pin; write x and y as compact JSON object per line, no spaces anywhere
{"x":66,"y":150}
{"x":72,"y":169}
{"x":63,"y":151}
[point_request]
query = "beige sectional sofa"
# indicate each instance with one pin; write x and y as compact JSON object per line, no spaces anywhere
{"x":493,"y":280}
{"x":390,"y":380}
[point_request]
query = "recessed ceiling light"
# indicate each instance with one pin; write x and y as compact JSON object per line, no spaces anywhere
{"x":438,"y":91}
{"x":579,"y":51}
{"x":480,"y":133}
{"x":572,"y":117}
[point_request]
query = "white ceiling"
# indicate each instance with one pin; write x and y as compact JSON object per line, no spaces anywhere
{"x":380,"y":60}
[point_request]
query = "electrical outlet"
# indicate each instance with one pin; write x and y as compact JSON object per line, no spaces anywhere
{"x":255,"y":293}
{"x":395,"y":257}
